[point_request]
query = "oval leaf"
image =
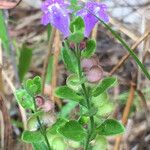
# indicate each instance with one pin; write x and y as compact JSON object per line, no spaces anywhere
{"x":65,"y":92}
{"x":73,"y":130}
{"x":104,"y":85}
{"x":69,"y":59}
{"x":110,"y":127}
{"x":32,"y":136}
{"x":90,"y":49}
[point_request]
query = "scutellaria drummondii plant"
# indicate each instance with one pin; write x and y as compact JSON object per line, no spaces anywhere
{"x":86,"y":85}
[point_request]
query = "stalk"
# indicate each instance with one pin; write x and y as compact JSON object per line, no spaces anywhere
{"x":87,"y":98}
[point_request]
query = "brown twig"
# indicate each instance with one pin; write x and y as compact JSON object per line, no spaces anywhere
{"x":50,"y":45}
{"x":6,"y":125}
{"x":125,"y":57}
{"x":126,"y":112}
{"x":9,"y":5}
{"x":55,"y":68}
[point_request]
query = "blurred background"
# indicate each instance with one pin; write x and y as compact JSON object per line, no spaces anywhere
{"x":28,"y":51}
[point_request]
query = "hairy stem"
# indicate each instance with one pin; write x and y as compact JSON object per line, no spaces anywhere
{"x":87,"y":98}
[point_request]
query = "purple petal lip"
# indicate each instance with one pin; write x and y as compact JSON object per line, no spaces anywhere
{"x":56,"y":13}
{"x":90,"y":20}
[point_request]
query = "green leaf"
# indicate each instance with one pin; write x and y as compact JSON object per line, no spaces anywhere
{"x":91,"y":112}
{"x":110,"y":127}
{"x":32,"y":136}
{"x":58,"y":143}
{"x":73,"y":82}
{"x":38,"y":82}
{"x":53,"y":129}
{"x":73,"y":130}
{"x":24,"y":61}
{"x":65,"y":92}
{"x":3,"y":33}
{"x":77,"y":24}
{"x":24,"y":99}
{"x":105,"y":109}
{"x":67,"y":108}
{"x":100,"y":143}
{"x":76,"y":37}
{"x":124,"y":44}
{"x":39,"y":146}
{"x":69,"y":59}
{"x":102,"y":103}
{"x":33,"y":86}
{"x":90,"y":49}
{"x":104,"y":85}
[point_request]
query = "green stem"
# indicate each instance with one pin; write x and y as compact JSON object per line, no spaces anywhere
{"x":87,"y":98}
{"x":42,"y":130}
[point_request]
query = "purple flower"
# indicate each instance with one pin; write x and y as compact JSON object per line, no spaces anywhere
{"x":90,"y":20}
{"x":55,"y":12}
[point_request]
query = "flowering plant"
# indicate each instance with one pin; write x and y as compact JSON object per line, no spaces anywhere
{"x":86,"y":85}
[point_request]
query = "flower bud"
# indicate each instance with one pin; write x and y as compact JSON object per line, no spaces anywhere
{"x":95,"y":74}
{"x":82,"y":45}
{"x":39,"y":101}
{"x":72,"y":45}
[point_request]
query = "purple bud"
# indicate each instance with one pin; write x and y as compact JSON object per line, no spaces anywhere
{"x":72,"y":45}
{"x":82,"y":45}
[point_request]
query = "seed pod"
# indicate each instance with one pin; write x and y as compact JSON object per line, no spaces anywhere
{"x":47,"y":106}
{"x":39,"y":101}
{"x":95,"y":74}
{"x":87,"y":63}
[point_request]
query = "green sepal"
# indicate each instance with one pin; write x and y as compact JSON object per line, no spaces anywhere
{"x":77,"y":25}
{"x":90,"y":49}
{"x":76,"y":37}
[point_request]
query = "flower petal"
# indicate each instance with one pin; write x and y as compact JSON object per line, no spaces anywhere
{"x":97,"y":9}
{"x":59,"y":18}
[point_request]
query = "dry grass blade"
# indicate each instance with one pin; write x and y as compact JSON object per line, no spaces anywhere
{"x":55,"y":64}
{"x":125,"y":57}
{"x":22,"y":111}
{"x":50,"y":45}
